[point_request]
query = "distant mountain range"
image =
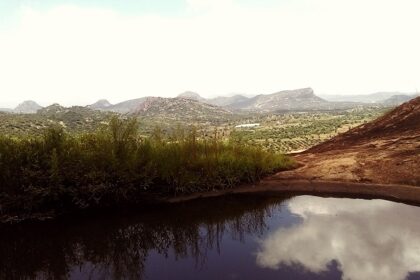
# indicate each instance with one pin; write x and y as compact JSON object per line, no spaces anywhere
{"x":188,"y":108}
{"x":288,"y":100}
{"x":377,"y":97}
{"x":397,"y":100}
{"x":122,"y":107}
{"x":151,"y":112}
{"x":300,"y":99}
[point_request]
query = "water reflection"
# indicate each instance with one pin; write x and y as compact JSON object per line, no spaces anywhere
{"x":302,"y":238}
{"x":118,"y":247}
{"x":368,"y":239}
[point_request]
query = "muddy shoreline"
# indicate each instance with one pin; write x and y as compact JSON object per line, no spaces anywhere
{"x":270,"y":186}
{"x":274,"y":186}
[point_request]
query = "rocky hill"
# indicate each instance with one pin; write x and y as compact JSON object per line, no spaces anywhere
{"x":52,"y":110}
{"x":126,"y":106}
{"x":101,"y":104}
{"x":403,"y":121}
{"x":384,"y":151}
{"x":287,"y":100}
{"x":396,"y":100}
{"x":27,"y":107}
{"x":227,"y":101}
{"x":191,"y":95}
{"x":180,"y":109}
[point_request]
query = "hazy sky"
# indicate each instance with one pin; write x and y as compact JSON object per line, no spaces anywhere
{"x":77,"y":51}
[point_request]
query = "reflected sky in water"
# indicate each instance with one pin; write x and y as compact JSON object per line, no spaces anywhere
{"x":234,"y":237}
{"x":374,"y":239}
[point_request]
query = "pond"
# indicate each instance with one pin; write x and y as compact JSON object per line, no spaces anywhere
{"x":233,"y":237}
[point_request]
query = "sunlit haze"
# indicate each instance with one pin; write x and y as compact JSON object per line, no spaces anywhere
{"x":76,"y":52}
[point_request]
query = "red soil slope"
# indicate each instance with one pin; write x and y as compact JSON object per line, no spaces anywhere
{"x":384,"y":151}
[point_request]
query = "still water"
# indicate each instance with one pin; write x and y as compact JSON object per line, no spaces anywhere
{"x":303,"y":237}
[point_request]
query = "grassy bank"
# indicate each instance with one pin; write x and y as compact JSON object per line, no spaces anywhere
{"x":59,"y":172}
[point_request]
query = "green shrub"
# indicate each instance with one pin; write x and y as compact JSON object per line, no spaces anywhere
{"x":62,"y":172}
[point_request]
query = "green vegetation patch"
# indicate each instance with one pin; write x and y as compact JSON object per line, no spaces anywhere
{"x":61,"y":172}
{"x":293,"y":132}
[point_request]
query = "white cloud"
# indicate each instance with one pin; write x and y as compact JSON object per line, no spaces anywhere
{"x":369,"y":239}
{"x":76,"y":55}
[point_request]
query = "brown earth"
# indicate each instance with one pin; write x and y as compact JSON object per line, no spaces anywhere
{"x":385,"y":151}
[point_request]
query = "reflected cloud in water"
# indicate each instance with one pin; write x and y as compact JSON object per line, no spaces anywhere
{"x":217,"y":239}
{"x":369,"y":239}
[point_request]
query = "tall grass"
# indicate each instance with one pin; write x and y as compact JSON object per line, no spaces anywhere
{"x":62,"y":172}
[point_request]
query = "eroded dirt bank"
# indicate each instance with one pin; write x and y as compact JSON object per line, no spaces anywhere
{"x":385,"y":151}
{"x":274,"y":186}
{"x":385,"y":161}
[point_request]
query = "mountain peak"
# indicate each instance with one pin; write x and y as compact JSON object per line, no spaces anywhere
{"x":28,"y":107}
{"x":286,"y":100}
{"x":100,"y":104}
{"x":297,"y":93}
{"x":190,"y":95}
{"x":180,"y":110}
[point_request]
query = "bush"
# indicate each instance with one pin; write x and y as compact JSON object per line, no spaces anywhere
{"x":62,"y":172}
